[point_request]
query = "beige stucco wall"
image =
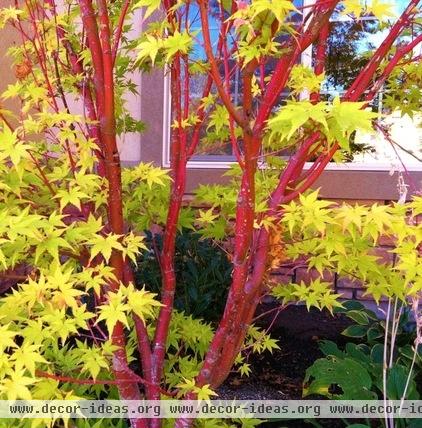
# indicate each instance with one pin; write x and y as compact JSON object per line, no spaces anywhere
{"x":129,"y":145}
{"x":7,"y":76}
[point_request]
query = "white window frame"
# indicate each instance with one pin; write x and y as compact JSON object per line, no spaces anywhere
{"x":306,"y":59}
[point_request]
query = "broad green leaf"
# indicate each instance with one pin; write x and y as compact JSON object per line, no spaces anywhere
{"x":350,"y":376}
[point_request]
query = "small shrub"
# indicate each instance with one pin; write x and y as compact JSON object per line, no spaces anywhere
{"x":356,"y":372}
{"x":203,"y":274}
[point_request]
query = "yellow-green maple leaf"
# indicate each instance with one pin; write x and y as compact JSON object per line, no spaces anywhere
{"x":6,"y":338}
{"x":104,"y":245}
{"x":114,"y":311}
{"x":72,"y":196}
{"x":142,"y":302}
{"x":381,"y":10}
{"x":353,"y":7}
{"x":11,"y":147}
{"x":26,"y":356}
{"x":16,"y":386}
{"x":151,"y":5}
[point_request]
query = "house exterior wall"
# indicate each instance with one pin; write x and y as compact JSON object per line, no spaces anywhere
{"x":7,"y":37}
{"x":129,"y":145}
{"x":346,"y":183}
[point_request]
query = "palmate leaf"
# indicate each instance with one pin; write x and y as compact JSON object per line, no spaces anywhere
{"x":11,"y":147}
{"x":45,"y":389}
{"x":219,"y":118}
{"x":142,"y":302}
{"x":245,"y":369}
{"x":51,"y":245}
{"x":16,"y":386}
{"x":353,"y":7}
{"x":303,"y":77}
{"x":72,"y":196}
{"x":149,"y":48}
{"x":215,"y":230}
{"x":293,"y":116}
{"x":9,"y":13}
{"x":350,"y":117}
{"x":112,"y":313}
{"x":12,"y":91}
{"x":6,"y":337}
{"x":92,"y":358}
{"x":207,"y":217}
{"x":26,"y":356}
{"x":205,"y":392}
{"x":177,"y":42}
{"x":336,"y":120}
{"x":280,"y":8}
{"x":133,"y":244}
{"x":381,"y":9}
{"x":104,"y":245}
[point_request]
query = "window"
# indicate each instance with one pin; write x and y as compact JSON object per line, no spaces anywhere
{"x":349,"y":42}
{"x":348,"y":45}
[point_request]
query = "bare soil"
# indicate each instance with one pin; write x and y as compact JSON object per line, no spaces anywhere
{"x":279,"y":376}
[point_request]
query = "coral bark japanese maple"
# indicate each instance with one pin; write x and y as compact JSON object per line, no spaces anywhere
{"x":262,"y":42}
{"x":254,"y":118}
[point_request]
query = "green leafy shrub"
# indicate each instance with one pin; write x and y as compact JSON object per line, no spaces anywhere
{"x":356,"y":372}
{"x":329,"y":237}
{"x":203,"y":273}
{"x":370,"y":328}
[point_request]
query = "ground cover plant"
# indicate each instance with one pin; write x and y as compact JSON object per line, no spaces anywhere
{"x":73,"y":221}
{"x":392,"y":343}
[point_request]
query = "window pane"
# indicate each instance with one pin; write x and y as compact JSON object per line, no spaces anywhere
{"x":220,"y":145}
{"x":406,"y":139}
{"x":350,"y":45}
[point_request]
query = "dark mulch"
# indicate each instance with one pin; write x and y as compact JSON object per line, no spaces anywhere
{"x":279,"y":376}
